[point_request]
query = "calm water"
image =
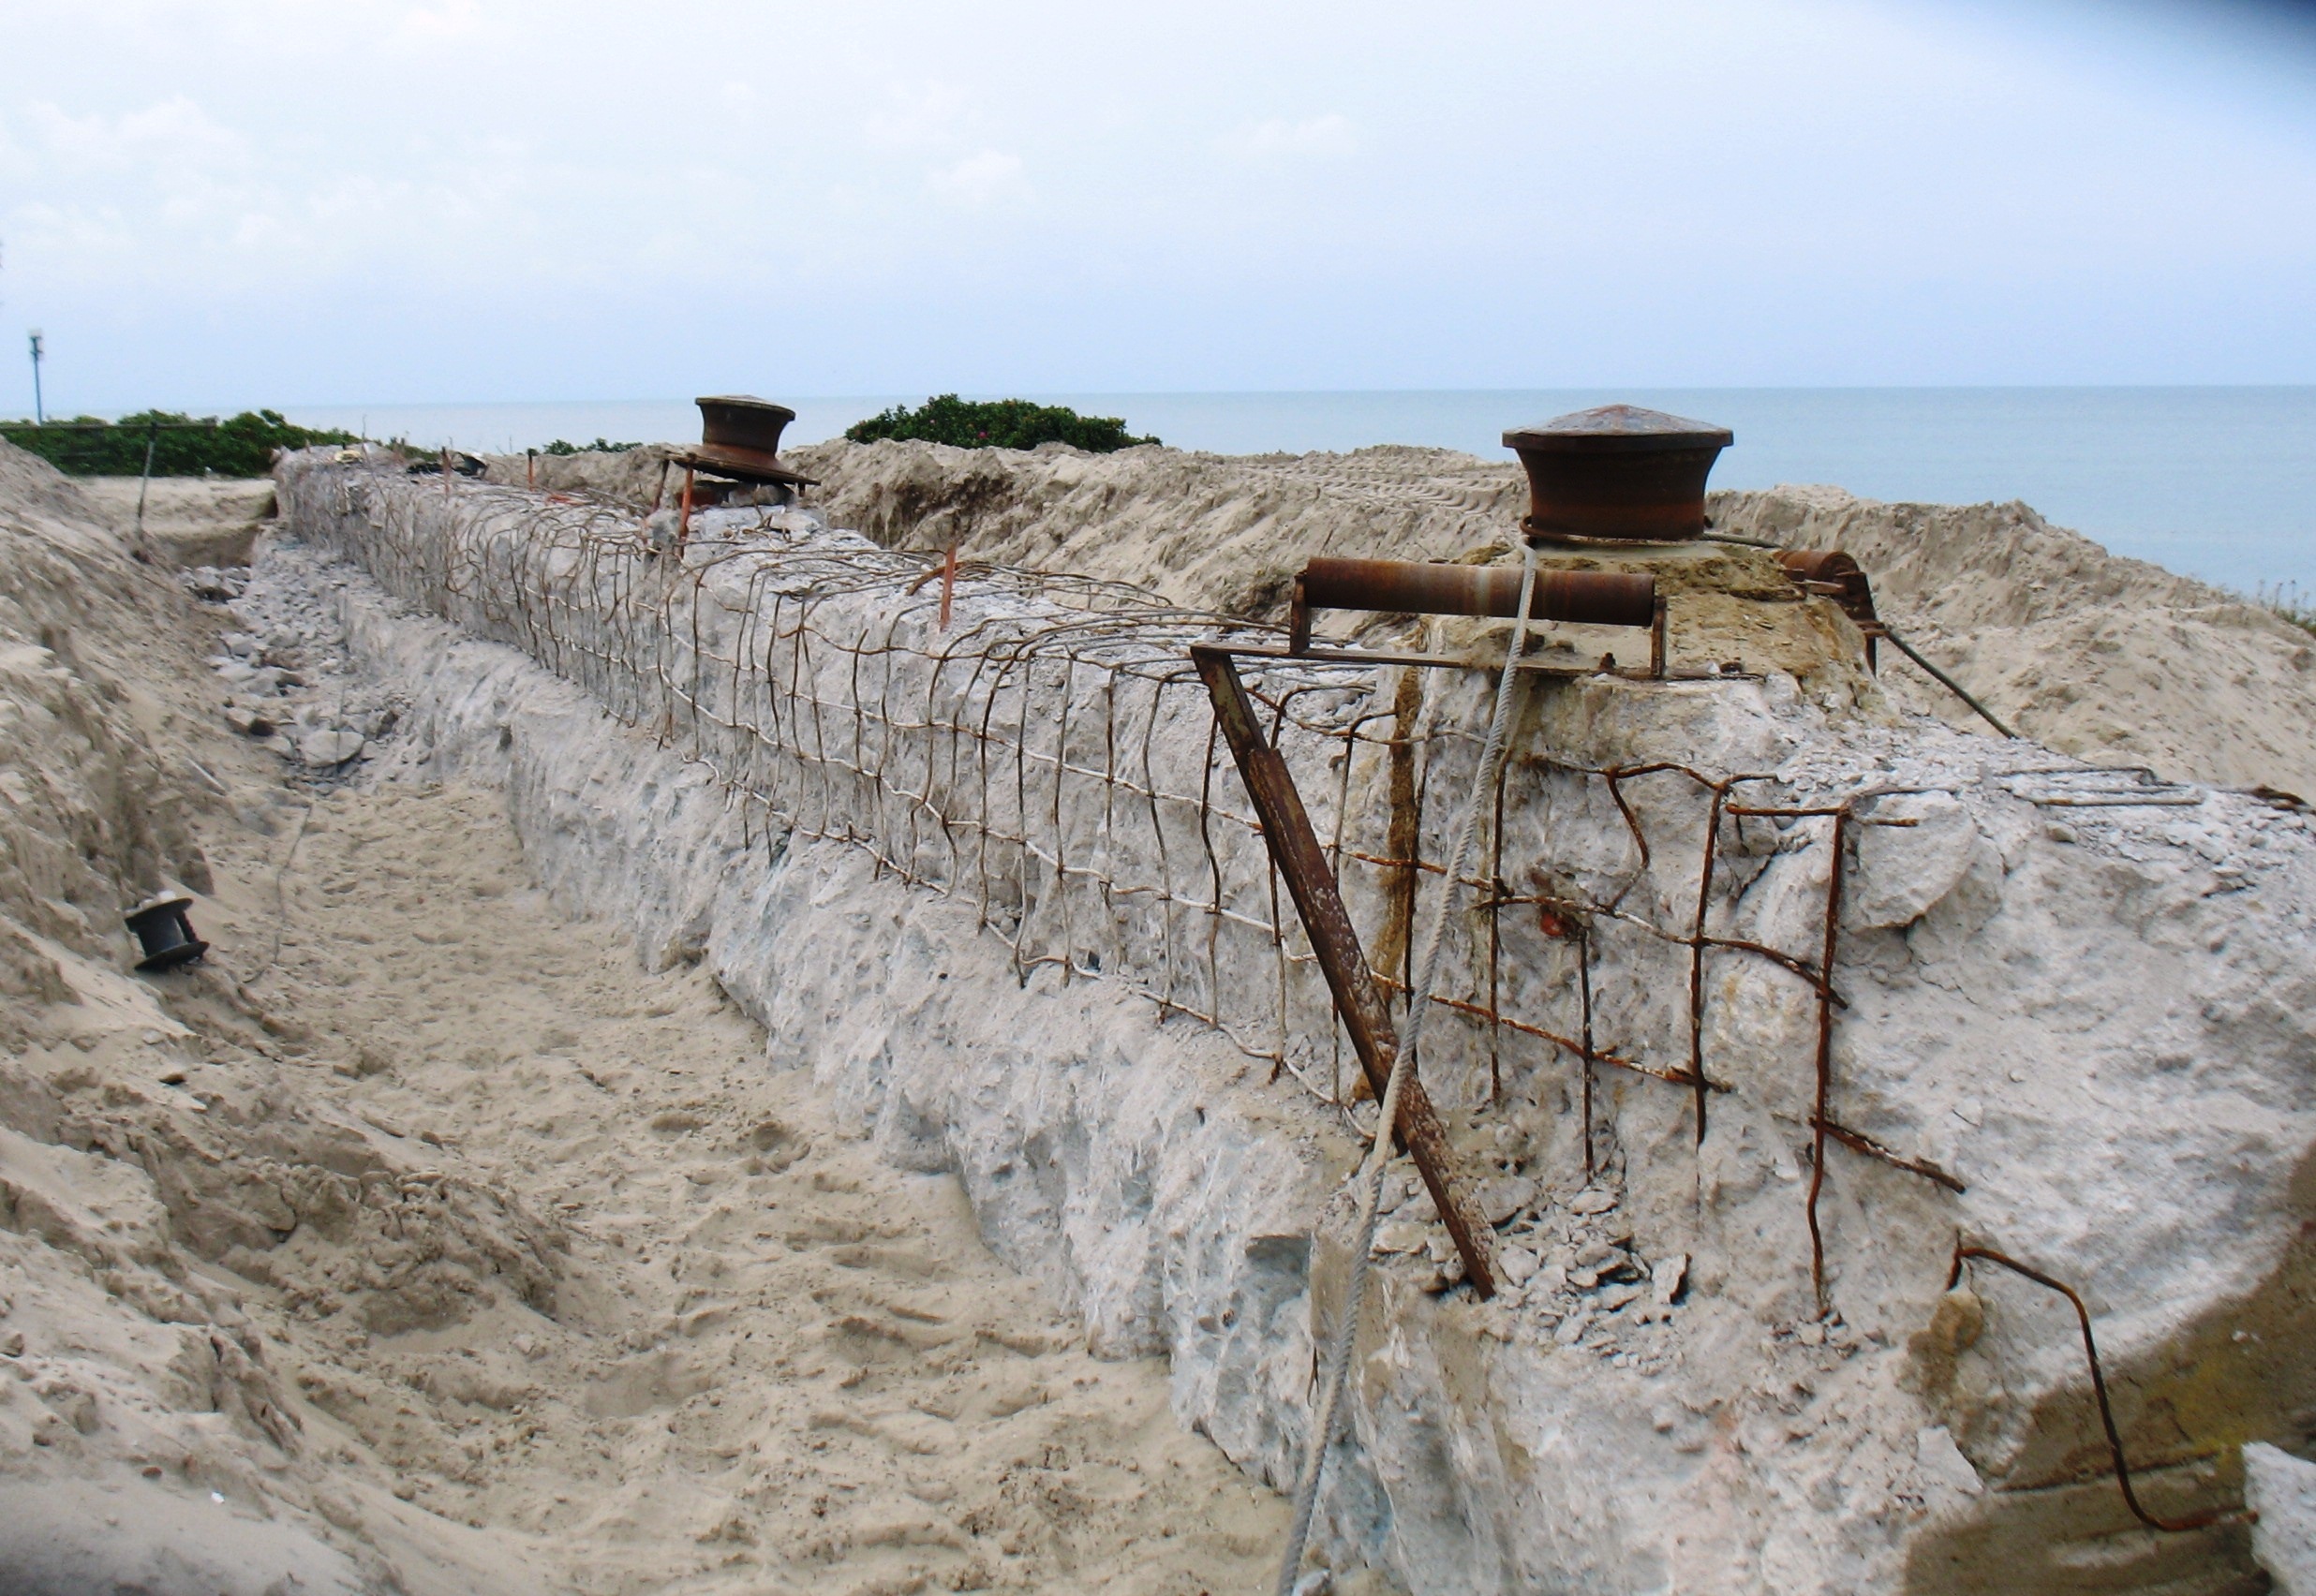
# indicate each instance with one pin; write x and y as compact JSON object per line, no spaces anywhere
{"x":2219,"y":483}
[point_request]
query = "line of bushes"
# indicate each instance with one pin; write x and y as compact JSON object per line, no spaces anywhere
{"x":601,"y":446}
{"x":239,"y":446}
{"x":996,"y":423}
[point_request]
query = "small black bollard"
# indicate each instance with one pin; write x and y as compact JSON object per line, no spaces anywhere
{"x":164,"y":933}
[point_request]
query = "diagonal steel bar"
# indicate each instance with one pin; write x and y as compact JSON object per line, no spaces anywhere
{"x":1302,"y":862}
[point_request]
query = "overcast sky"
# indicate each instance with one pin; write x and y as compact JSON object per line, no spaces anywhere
{"x":337,"y":201}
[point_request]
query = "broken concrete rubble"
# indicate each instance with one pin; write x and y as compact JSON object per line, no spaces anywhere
{"x":2281,"y":1489}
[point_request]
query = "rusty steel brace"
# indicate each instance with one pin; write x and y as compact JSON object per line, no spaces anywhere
{"x":1302,"y":859}
{"x":1335,"y":943}
{"x":1946,"y":681}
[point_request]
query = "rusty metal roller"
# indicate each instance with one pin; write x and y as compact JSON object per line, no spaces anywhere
{"x":1588,"y":597}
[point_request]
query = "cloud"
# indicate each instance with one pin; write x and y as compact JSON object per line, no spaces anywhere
{"x":175,"y":135}
{"x":166,"y":194}
{"x":452,"y":20}
{"x":293,"y":158}
{"x":95,"y":193}
{"x":917,"y":116}
{"x":981,"y":179}
{"x":1322,"y":138}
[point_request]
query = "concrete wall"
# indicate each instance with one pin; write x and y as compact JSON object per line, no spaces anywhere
{"x":2091,"y":1016}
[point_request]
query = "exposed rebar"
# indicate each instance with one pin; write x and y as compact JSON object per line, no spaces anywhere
{"x":2202,"y":1520}
{"x":1945,"y":681}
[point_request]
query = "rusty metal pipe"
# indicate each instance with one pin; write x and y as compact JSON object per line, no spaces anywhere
{"x":1829,"y":573}
{"x":1589,"y":598}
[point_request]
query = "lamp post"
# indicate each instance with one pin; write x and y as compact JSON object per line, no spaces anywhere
{"x":37,"y":418}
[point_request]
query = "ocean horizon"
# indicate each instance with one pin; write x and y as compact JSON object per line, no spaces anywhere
{"x":2214,"y":482}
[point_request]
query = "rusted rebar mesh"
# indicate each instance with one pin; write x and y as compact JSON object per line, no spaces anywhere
{"x":1050,"y":758}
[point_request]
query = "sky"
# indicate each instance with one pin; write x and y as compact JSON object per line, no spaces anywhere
{"x":292,"y":201}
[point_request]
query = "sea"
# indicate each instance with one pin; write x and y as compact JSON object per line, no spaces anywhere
{"x":2215,"y":482}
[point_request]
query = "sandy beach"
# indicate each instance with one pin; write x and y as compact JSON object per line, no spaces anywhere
{"x":432,"y":1237}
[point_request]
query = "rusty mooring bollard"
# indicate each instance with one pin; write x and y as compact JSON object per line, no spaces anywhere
{"x":1617,"y":473}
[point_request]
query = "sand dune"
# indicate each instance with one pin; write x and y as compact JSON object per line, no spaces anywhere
{"x":2098,"y":656}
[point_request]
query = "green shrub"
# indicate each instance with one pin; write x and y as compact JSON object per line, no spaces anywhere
{"x":241,"y":446}
{"x":996,"y":423}
{"x":598,"y":446}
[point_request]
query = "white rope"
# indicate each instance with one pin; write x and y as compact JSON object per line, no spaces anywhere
{"x":1380,"y":1154}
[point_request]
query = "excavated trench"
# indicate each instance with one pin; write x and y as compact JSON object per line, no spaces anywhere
{"x":516,"y":1265}
{"x":426,"y":1239}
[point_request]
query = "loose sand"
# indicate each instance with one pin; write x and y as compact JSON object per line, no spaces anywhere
{"x":773,"y":1362}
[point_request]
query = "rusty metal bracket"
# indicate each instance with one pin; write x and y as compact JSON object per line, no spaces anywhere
{"x":1828,"y":573}
{"x":1295,"y":849}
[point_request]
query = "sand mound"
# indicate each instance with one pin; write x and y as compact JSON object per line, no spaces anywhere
{"x":2108,"y":658}
{"x":628,"y":477}
{"x":189,"y":521}
{"x":98,"y":795}
{"x":2101,"y":657}
{"x":1208,"y":531}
